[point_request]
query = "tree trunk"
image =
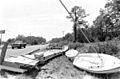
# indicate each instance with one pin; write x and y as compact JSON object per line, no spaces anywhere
{"x":75,"y":32}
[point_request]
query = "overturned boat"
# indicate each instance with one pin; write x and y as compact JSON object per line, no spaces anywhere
{"x":97,"y":63}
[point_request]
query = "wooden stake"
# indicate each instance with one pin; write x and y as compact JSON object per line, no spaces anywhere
{"x":2,"y":57}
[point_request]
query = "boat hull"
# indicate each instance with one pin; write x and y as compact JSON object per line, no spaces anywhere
{"x":97,"y":63}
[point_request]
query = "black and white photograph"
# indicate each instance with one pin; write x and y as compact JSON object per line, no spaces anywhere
{"x":59,"y":39}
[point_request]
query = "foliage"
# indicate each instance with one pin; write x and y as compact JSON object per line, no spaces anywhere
{"x":75,"y":45}
{"x":62,"y":43}
{"x":11,"y":40}
{"x":108,"y":22}
{"x":68,"y":37}
{"x":32,"y":40}
{"x":56,"y":40}
{"x":76,"y":15}
{"x":20,"y":37}
{"x":81,"y":38}
{"x":105,"y":27}
{"x":106,"y":48}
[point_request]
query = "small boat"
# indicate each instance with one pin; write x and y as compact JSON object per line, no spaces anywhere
{"x":71,"y":53}
{"x":97,"y":63}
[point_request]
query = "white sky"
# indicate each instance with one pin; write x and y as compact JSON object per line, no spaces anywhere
{"x":46,"y":18}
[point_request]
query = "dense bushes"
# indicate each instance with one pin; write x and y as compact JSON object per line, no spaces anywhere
{"x":32,"y":40}
{"x":106,"y":48}
{"x":75,"y":45}
{"x":67,"y":38}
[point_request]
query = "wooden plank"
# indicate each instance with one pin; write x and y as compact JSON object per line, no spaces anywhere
{"x":12,"y":69}
{"x":15,"y":65}
{"x":53,"y":56}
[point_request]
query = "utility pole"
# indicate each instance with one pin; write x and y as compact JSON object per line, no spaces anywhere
{"x":30,"y":39}
{"x":75,"y":24}
{"x":1,"y":32}
{"x":3,"y":52}
{"x":63,"y":33}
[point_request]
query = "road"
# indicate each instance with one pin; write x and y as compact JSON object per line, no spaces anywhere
{"x":17,"y":52}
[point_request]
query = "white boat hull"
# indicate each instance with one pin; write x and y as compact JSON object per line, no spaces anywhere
{"x":103,"y":63}
{"x":71,"y":53}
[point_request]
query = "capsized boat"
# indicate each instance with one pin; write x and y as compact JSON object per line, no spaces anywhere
{"x":97,"y":63}
{"x":71,"y":53}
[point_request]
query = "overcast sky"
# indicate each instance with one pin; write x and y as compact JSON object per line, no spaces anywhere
{"x":46,"y":18}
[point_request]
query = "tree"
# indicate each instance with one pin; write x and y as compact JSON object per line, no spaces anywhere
{"x":56,"y":40}
{"x":77,"y":13}
{"x":68,"y":37}
{"x":113,"y":11}
{"x":20,"y":37}
{"x":108,"y":22}
{"x":11,"y":40}
{"x":98,"y":28}
{"x":33,"y":40}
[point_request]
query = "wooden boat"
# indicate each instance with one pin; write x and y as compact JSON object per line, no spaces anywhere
{"x":97,"y":63}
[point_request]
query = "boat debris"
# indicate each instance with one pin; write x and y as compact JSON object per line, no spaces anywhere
{"x":27,"y":62}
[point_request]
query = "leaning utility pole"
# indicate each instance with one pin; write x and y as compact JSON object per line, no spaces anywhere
{"x":1,"y":32}
{"x":80,"y":29}
{"x":75,"y":23}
